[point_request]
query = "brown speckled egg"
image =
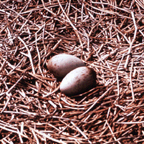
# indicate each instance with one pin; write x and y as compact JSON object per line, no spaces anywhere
{"x":62,"y":64}
{"x":78,"y":81}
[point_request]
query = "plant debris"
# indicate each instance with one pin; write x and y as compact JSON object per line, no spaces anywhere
{"x":108,"y":35}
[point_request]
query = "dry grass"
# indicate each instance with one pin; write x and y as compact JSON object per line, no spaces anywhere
{"x":107,"y":35}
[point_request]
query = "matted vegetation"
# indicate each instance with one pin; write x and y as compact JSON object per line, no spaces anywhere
{"x":107,"y":35}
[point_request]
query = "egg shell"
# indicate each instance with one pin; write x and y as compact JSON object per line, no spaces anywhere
{"x":78,"y":81}
{"x":62,"y":64}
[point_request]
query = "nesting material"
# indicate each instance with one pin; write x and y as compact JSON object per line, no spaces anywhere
{"x":62,"y":64}
{"x":108,"y":35}
{"x":78,"y":81}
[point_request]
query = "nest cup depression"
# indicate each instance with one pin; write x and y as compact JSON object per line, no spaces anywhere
{"x":62,"y":64}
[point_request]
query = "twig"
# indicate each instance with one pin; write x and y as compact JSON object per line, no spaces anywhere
{"x":131,"y":42}
{"x":97,"y":100}
{"x":74,"y":28}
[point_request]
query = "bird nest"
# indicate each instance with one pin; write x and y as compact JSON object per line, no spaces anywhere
{"x":107,"y":35}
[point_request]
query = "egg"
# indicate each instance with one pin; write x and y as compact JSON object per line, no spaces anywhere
{"x":78,"y":81}
{"x":62,"y":64}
